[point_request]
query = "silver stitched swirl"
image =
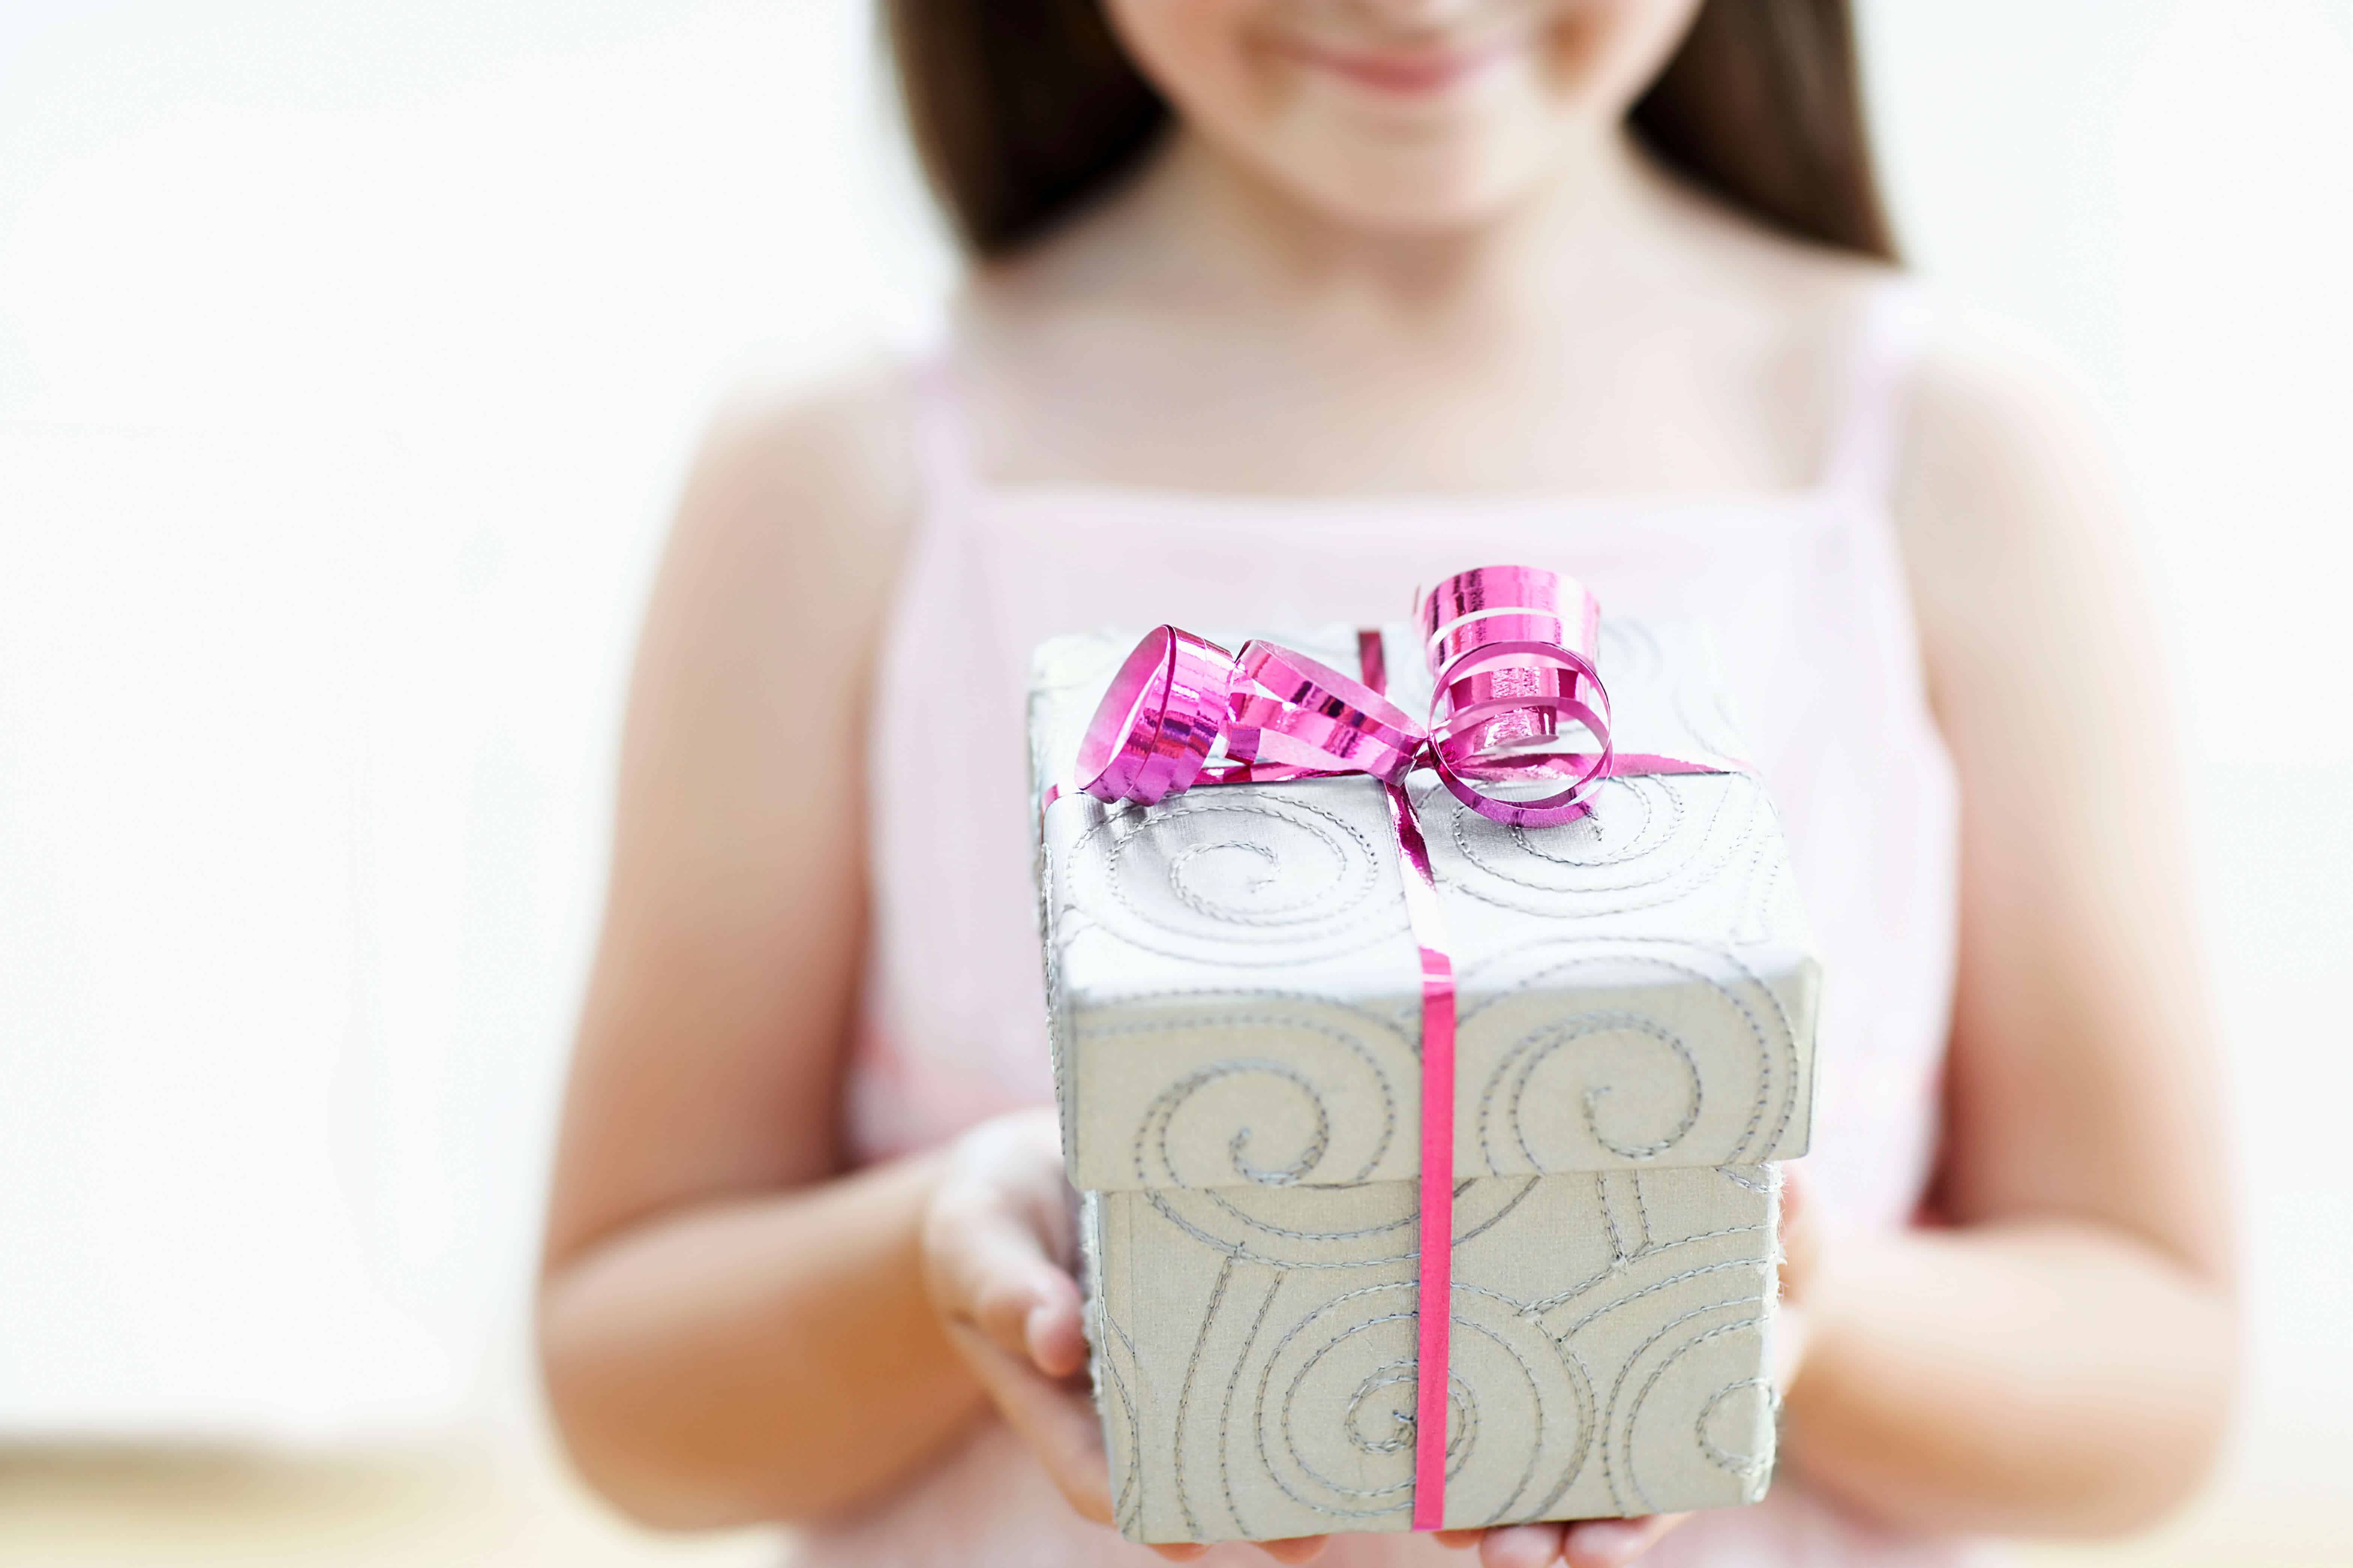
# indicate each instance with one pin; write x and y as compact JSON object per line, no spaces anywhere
{"x":1713,"y":1426}
{"x":1723,"y":1332}
{"x":1333,"y":1411}
{"x":1262,"y":1090}
{"x":1272,"y":876}
{"x":1700,"y":1007}
{"x":1650,"y":838}
{"x":1592,"y":1072}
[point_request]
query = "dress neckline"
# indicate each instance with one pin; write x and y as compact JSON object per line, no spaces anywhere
{"x":1109,"y":494}
{"x":1857,"y":466}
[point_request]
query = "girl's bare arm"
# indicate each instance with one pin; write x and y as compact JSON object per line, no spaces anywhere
{"x":2059,"y":1361}
{"x":731,"y":1329}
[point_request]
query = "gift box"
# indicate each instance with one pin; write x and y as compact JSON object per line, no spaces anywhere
{"x":1236,"y":993}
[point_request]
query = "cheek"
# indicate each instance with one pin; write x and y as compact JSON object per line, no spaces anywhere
{"x":1199,"y":54}
{"x":1606,"y":53}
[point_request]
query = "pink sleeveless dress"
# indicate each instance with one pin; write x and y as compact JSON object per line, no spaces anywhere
{"x":1806,"y":596}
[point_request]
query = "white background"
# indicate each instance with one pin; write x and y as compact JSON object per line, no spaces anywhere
{"x":350,"y":355}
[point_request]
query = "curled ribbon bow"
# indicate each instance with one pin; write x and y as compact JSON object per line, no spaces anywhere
{"x":1511,"y":652}
{"x":1514,"y":685}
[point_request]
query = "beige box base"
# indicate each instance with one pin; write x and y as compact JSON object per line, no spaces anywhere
{"x":1254,"y":1351}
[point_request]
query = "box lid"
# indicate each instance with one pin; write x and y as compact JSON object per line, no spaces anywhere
{"x":1236,"y":999}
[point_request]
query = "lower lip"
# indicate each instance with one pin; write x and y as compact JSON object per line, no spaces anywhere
{"x":1405,"y":76}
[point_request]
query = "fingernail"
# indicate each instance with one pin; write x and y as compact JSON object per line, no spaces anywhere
{"x":1520,"y":1546}
{"x":1603,"y":1544}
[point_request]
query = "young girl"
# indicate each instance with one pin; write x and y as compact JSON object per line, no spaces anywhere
{"x":1278,"y":308}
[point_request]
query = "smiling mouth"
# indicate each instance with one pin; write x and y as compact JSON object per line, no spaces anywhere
{"x":1405,"y":71}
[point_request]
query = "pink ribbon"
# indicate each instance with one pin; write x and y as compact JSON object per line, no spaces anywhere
{"x":1512,"y":657}
{"x":1433,"y":1332}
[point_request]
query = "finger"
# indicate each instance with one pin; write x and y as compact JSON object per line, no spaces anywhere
{"x":1456,"y":1540}
{"x":1297,"y":1549}
{"x":1056,"y":1337}
{"x":1056,"y":1420}
{"x":1520,"y":1546}
{"x":1613,"y":1542}
{"x":991,"y":1268}
{"x":1800,"y":1235}
{"x":1785,"y":1346}
{"x":1184,"y":1553}
{"x":1020,"y":1157}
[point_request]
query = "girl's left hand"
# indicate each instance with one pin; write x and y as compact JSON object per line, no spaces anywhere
{"x":998,"y":1251}
{"x":1613,"y":1542}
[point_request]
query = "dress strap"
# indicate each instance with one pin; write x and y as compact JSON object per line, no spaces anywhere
{"x":1867,"y":441}
{"x":942,"y":447}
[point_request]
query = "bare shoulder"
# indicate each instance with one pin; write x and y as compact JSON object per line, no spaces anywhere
{"x":2003,"y":440}
{"x":773,"y":588}
{"x":2010,"y":491}
{"x":792,"y":479}
{"x":2032,"y":590}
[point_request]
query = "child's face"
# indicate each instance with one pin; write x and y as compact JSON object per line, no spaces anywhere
{"x":1401,"y":114}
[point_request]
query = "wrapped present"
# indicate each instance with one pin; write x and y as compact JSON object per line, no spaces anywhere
{"x":1618,"y":994}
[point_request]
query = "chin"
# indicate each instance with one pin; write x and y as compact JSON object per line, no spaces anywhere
{"x":1428,"y":190}
{"x":1407,"y":211}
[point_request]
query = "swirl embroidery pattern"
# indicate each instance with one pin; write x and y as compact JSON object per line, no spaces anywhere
{"x":1276,"y":1394}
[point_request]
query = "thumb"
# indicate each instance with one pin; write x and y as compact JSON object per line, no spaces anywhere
{"x":1800,"y":1234}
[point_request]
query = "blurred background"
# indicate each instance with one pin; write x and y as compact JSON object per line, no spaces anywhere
{"x":350,"y":356}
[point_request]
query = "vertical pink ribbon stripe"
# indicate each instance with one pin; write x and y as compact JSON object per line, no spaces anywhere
{"x":1433,"y":1295}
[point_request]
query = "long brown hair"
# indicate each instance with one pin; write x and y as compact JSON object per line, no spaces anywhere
{"x":1023,"y":108}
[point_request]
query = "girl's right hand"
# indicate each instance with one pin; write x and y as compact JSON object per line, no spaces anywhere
{"x":999,"y":1246}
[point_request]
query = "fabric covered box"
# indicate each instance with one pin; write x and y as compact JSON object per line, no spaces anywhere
{"x":1235,"y":999}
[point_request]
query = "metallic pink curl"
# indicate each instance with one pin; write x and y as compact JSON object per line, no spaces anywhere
{"x":1511,"y":649}
{"x":1511,"y":652}
{"x":1291,"y":710}
{"x":1153,"y":731}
